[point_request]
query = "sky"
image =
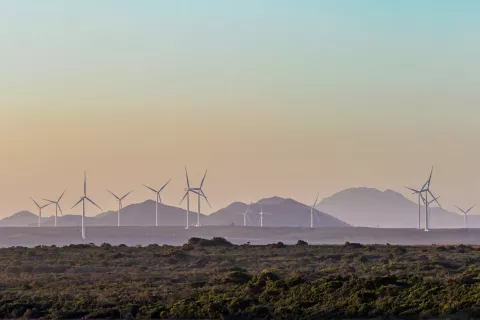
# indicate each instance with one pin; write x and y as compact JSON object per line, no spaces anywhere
{"x":275,"y":98}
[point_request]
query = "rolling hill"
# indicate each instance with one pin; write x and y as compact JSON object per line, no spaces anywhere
{"x":284,"y":212}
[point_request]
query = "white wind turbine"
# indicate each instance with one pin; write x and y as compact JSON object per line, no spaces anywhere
{"x":261,"y":213}
{"x":465,"y":222}
{"x":82,"y":200}
{"x":159,"y":199}
{"x":40,"y":210}
{"x":187,"y":196}
{"x":312,"y":210}
{"x":200,"y":194}
{"x":120,"y":204}
{"x":419,"y":193}
{"x":246,"y":216}
{"x":57,"y":206}
{"x":426,"y":189}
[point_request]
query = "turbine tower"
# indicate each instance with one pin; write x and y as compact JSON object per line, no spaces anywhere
{"x":120,"y":204}
{"x":82,"y":200}
{"x":200,"y":194}
{"x":419,"y":192}
{"x":261,"y":213}
{"x":159,"y":199}
{"x":40,"y":209}
{"x":465,"y":222}
{"x":312,"y":210}
{"x":187,"y":196}
{"x":57,"y":206}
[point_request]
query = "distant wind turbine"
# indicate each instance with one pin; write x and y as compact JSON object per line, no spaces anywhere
{"x":465,"y":222}
{"x":82,"y":200}
{"x":57,"y":206}
{"x":426,"y":189}
{"x":312,"y":210}
{"x":246,"y":216}
{"x":159,"y":199}
{"x":40,"y":209}
{"x":120,"y":204}
{"x":261,"y":213}
{"x":187,"y":196}
{"x":200,"y":194}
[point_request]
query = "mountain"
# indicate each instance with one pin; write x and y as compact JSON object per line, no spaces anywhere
{"x":143,"y":214}
{"x":284,"y":212}
{"x":139,"y":214}
{"x":19,"y":219}
{"x":369,"y":207}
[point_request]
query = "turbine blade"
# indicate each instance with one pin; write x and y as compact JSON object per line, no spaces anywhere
{"x":91,"y":201}
{"x":76,"y":204}
{"x":85,"y":183}
{"x":186,"y":193}
{"x":434,"y":199}
{"x":164,"y":185}
{"x":413,"y":190}
{"x":430,"y":178}
{"x":62,"y":195}
{"x":60,"y":208}
{"x":45,"y":205}
{"x":471,"y":208}
{"x":424,"y":186}
{"x":423,"y":198}
{"x":35,"y":203}
{"x":203,"y":180}
{"x":318,"y":195}
{"x":186,"y":174}
{"x":113,"y":194}
{"x":195,"y":191}
{"x":459,"y":209}
{"x":125,"y":195}
{"x":150,"y":188}
{"x":206,"y":199}
{"x":50,"y":201}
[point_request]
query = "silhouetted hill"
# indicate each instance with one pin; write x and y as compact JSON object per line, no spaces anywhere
{"x":387,"y":209}
{"x":143,"y":214}
{"x":285,"y":212}
{"x":19,"y":219}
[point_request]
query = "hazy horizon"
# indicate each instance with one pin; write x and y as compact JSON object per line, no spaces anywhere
{"x":279,"y":98}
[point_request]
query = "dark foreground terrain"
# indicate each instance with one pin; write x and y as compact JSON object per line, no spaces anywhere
{"x":213,"y":279}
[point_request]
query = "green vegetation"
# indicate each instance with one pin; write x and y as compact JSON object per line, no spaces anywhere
{"x":213,"y":279}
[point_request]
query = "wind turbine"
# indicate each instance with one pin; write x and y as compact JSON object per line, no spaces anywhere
{"x":57,"y":206}
{"x":40,"y":209}
{"x":120,"y":205}
{"x":159,"y":199}
{"x":82,"y":200}
{"x":200,"y":194}
{"x":246,"y":216}
{"x":465,"y":215}
{"x":312,"y":210}
{"x":261,"y":213}
{"x":426,"y":189}
{"x":187,"y":195}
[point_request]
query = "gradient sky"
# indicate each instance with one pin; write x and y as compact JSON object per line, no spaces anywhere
{"x":285,"y":98}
